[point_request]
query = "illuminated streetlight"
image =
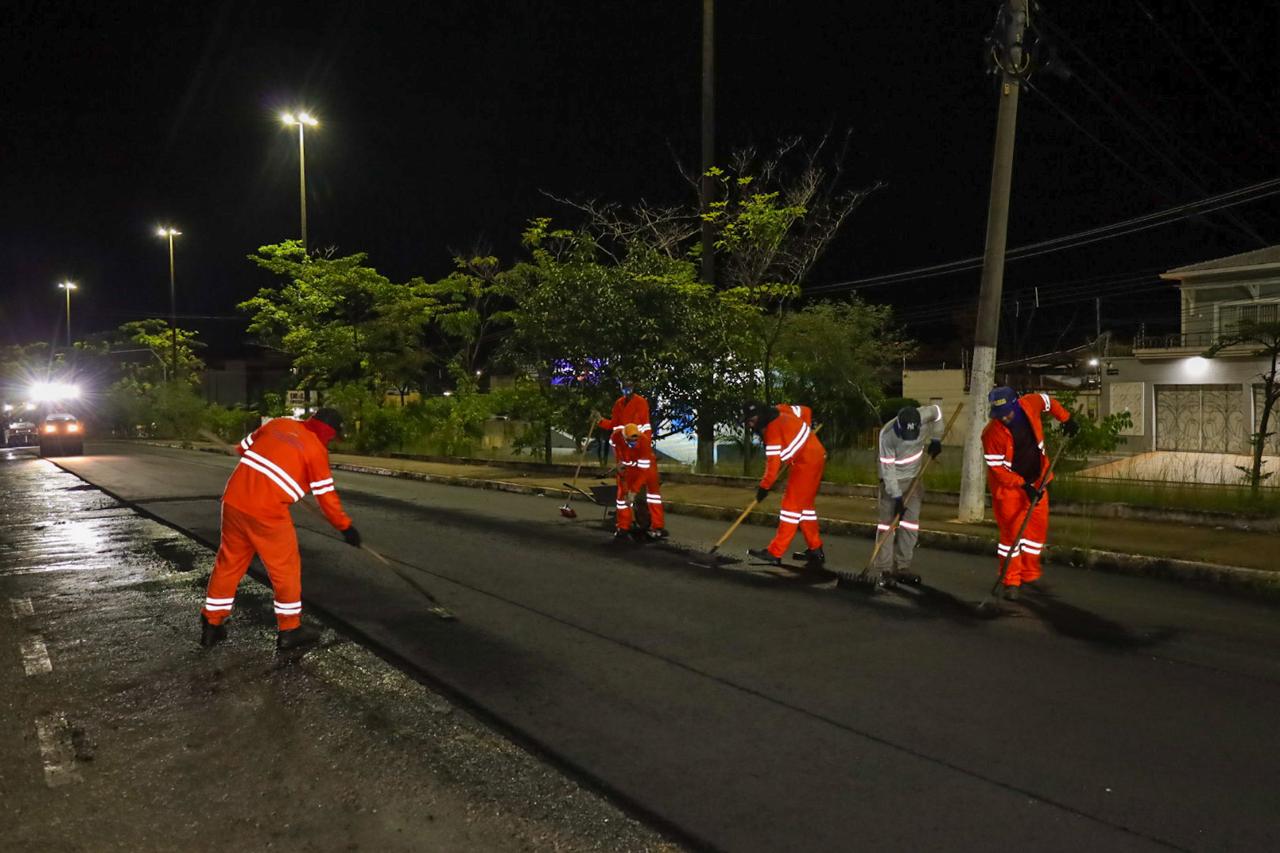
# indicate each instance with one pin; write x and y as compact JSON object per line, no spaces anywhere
{"x":170,"y":233}
{"x":302,"y":120}
{"x":68,"y":287}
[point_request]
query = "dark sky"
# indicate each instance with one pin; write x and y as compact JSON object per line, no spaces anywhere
{"x":443,"y":121}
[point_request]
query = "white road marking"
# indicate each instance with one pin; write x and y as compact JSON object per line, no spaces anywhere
{"x":35,"y":656}
{"x":56,"y":750}
{"x":21,"y":607}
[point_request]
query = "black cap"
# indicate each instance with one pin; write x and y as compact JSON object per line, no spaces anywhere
{"x":908,"y":423}
{"x":762,"y":412}
{"x":330,"y":417}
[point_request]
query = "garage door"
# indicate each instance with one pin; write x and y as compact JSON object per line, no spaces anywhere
{"x":1208,"y":418}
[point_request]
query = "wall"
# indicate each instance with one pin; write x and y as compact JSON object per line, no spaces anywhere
{"x":1131,"y":380}
{"x":944,"y":387}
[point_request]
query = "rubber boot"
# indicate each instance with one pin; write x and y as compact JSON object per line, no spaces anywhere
{"x":887,"y":580}
{"x":763,"y":555}
{"x":814,"y":558}
{"x":906,"y":576}
{"x":621,"y":535}
{"x":210,"y":634}
{"x":656,"y":535}
{"x":296,"y":638}
{"x":1011,"y":592}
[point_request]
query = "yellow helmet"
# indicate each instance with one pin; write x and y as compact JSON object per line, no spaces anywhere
{"x":630,"y":433}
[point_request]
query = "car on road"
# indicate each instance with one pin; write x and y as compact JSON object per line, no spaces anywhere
{"x":20,"y":434}
{"x":61,"y":434}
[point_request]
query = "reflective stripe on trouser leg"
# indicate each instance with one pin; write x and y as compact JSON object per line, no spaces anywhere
{"x":277,"y":545}
{"x":904,"y":543}
{"x":1033,"y":539}
{"x":1009,"y":508}
{"x":623,"y":519}
{"x":802,"y":488}
{"x":657,"y":516}
{"x":884,"y":522}
{"x":235,"y":551}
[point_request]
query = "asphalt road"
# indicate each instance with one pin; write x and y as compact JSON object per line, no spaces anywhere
{"x":756,"y":713}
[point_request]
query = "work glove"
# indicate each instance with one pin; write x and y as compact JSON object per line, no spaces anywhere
{"x":1033,"y":494}
{"x":899,"y":507}
{"x":761,"y":494}
{"x":352,"y":536}
{"x":1070,"y":427}
{"x":935,"y":447}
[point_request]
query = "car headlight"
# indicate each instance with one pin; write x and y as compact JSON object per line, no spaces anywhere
{"x":73,"y":427}
{"x":50,"y":428}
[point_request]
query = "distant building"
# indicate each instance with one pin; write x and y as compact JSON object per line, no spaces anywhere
{"x":1178,"y":399}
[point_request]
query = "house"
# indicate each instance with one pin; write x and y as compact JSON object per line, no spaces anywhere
{"x":1181,"y":401}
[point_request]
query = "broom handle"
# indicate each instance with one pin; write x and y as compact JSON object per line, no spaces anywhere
{"x":582,"y":457}
{"x":911,"y":490}
{"x":734,"y":526}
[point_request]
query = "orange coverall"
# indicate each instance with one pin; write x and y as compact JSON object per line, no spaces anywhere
{"x":280,"y":463}
{"x":637,"y":468}
{"x":790,"y":438}
{"x":627,"y":411}
{"x":1009,"y":503}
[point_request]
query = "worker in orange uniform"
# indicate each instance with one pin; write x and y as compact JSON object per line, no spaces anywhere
{"x":789,"y":437}
{"x":280,"y":463}
{"x":1013,"y":448}
{"x":630,"y":408}
{"x":637,"y":469}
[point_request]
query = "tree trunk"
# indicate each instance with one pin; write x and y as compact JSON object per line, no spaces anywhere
{"x":706,"y":432}
{"x":746,"y":451}
{"x":1260,"y":443}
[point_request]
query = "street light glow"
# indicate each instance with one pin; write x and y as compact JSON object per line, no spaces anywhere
{"x":168,"y":232}
{"x":1093,"y":362}
{"x":301,"y":118}
{"x":66,"y":285}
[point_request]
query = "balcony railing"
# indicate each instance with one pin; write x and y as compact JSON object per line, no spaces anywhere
{"x":1193,"y":340}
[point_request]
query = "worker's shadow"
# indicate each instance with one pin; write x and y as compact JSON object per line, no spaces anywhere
{"x":1062,"y":618}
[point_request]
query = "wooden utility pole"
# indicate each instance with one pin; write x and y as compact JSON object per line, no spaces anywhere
{"x":1011,"y":62}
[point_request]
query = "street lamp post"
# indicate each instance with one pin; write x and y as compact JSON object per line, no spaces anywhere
{"x":170,"y":233}
{"x":68,"y":287}
{"x":303,"y":121}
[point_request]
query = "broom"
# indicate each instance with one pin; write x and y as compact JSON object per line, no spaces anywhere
{"x":567,"y":510}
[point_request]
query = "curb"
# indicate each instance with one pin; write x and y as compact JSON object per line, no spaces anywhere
{"x":1256,"y":583}
{"x":1253,"y":582}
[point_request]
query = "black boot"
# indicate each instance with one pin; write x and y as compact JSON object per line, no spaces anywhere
{"x":296,"y":638}
{"x":1011,"y":592}
{"x":764,"y":556}
{"x":906,"y":576}
{"x":814,"y":558}
{"x":620,"y":535}
{"x":887,"y":580}
{"x":210,"y":634}
{"x":656,"y":535}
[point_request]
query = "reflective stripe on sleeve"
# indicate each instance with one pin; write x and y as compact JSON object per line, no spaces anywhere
{"x":912,"y":458}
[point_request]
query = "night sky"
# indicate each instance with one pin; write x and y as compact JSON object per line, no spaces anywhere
{"x":443,"y":122}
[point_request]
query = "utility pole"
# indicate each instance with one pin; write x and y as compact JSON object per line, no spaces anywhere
{"x":705,"y":427}
{"x":1011,"y":61}
{"x":708,"y":187}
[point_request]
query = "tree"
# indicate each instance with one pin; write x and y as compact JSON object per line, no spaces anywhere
{"x":838,"y":356}
{"x":154,"y":338}
{"x":776,"y":216}
{"x":1263,"y":341}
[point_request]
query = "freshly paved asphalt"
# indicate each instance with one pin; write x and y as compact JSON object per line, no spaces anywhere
{"x":755,"y":713}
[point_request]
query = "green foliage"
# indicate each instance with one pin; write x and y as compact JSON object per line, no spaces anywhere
{"x":1095,"y":436}
{"x":156,"y":337}
{"x":838,"y":356}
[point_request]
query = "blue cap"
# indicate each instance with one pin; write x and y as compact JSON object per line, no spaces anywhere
{"x":1002,"y":401}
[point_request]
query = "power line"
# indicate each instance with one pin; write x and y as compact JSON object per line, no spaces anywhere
{"x":1233,"y":198}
